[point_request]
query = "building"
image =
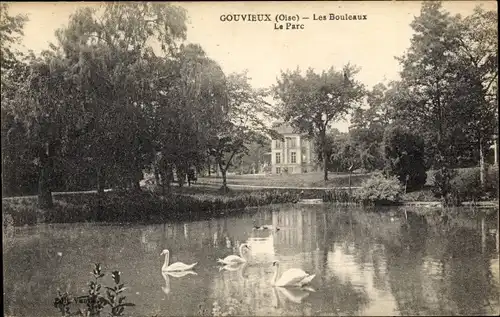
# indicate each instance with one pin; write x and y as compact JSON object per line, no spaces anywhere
{"x":294,"y":155}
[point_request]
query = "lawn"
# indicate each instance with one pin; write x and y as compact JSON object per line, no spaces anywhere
{"x":314,"y":179}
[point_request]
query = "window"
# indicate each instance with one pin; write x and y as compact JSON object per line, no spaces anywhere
{"x":293,"y":157}
{"x":291,"y":142}
{"x":278,"y":158}
{"x":278,"y":170}
{"x":278,"y":144}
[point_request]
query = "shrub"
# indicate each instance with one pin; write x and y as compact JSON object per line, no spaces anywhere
{"x":380,"y":190}
{"x":457,"y":186}
{"x":491,"y":185}
{"x":404,"y":157}
{"x":466,"y":186}
{"x":442,"y":183}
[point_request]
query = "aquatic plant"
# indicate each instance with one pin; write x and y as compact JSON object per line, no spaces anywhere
{"x":95,"y":301}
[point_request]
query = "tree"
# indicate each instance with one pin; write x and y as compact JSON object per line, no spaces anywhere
{"x":239,"y":124}
{"x":112,"y":57}
{"x":429,"y":68}
{"x":404,"y":156}
{"x":311,"y":103}
{"x":478,"y":49}
{"x":16,"y":166}
{"x":368,"y":125}
{"x":43,"y":103}
{"x":448,"y":73}
{"x":11,"y":31}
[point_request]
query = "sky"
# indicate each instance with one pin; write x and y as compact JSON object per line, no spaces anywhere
{"x":371,"y":44}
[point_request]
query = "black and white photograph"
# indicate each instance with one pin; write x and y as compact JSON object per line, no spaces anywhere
{"x":250,"y":158}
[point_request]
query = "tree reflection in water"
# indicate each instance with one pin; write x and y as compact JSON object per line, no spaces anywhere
{"x":366,"y":263}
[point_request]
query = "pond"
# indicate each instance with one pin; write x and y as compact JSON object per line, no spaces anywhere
{"x":365,"y":263}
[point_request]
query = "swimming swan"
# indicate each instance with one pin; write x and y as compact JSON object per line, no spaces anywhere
{"x":234,"y":259}
{"x":175,"y":267}
{"x":291,"y":277}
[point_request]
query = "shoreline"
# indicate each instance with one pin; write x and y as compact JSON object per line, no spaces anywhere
{"x":188,"y":203}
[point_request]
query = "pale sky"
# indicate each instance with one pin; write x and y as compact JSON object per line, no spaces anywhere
{"x":371,"y":44}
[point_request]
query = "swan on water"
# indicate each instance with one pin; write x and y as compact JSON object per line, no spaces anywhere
{"x":234,"y":259}
{"x":291,"y":277}
{"x":174,"y":267}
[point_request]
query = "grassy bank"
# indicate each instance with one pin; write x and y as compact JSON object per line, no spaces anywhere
{"x":138,"y":207}
{"x":188,"y":203}
{"x":314,"y":179}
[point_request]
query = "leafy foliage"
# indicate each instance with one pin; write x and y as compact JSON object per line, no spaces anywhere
{"x":442,"y":183}
{"x":11,"y":31}
{"x":404,"y":156}
{"x":95,"y":301}
{"x":447,"y":92}
{"x":311,"y":102}
{"x":380,"y":190}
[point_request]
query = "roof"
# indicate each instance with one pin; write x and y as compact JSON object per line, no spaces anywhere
{"x":284,"y":128}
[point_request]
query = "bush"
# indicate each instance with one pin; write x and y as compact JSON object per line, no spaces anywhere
{"x":442,"y":183}
{"x":404,"y":157}
{"x":457,"y":186}
{"x":466,"y":186}
{"x":380,"y":190}
{"x":491,"y":185}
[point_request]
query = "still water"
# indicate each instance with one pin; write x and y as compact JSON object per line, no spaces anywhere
{"x":365,"y":264}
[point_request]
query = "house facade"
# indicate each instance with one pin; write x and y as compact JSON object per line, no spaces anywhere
{"x":294,"y":154}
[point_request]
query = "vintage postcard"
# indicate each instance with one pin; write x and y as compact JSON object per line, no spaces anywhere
{"x":241,"y":158}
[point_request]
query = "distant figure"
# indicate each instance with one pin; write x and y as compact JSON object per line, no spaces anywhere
{"x":191,"y":176}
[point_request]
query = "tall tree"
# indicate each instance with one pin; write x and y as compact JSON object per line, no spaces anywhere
{"x":311,"y":103}
{"x":368,"y":125}
{"x":478,"y":48}
{"x":240,"y":123}
{"x":11,"y":31}
{"x":112,"y":53}
{"x":429,"y":66}
{"x":448,"y":71}
{"x":12,"y":71}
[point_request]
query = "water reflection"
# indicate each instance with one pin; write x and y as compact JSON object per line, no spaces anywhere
{"x":365,"y":263}
{"x":166,"y":276}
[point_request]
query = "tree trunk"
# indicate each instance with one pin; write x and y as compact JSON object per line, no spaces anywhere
{"x":482,"y":167}
{"x":223,"y":172}
{"x":157,"y":175}
{"x":209,"y":167}
{"x":100,"y":182}
{"x":136,"y":182}
{"x":44,"y":182}
{"x":224,"y":180}
{"x":181,"y":176}
{"x":325,"y":158}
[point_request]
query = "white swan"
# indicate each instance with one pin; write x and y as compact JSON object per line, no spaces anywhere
{"x":291,"y":277}
{"x":234,"y":259}
{"x":175,"y":267}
